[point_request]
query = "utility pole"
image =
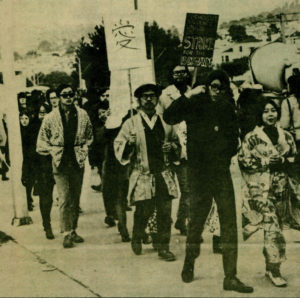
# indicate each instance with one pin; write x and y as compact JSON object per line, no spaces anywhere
{"x":9,"y":94}
{"x":281,"y":17}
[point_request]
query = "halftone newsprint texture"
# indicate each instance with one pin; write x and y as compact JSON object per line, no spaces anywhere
{"x":44,"y":43}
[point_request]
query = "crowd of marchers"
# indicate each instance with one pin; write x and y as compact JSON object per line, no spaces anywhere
{"x":177,"y":143}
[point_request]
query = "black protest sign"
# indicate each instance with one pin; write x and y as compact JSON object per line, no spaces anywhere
{"x":200,"y":33}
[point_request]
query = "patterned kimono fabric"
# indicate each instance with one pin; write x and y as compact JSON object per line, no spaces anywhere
{"x":266,"y":192}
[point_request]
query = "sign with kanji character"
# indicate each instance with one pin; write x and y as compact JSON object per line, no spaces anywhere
{"x":200,"y":33}
{"x":125,"y":41}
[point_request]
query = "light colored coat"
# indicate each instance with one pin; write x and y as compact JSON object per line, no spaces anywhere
{"x":254,"y":161}
{"x":265,"y":188}
{"x":51,"y":137}
{"x":168,"y":95}
{"x":141,"y":182}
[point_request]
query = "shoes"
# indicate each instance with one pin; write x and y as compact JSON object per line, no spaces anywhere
{"x":76,"y":238}
{"x":187,"y":274}
{"x":217,"y":248}
{"x":4,"y":178}
{"x":30,"y":207}
{"x":109,"y":221}
{"x":277,"y":281}
{"x":181,"y":227}
{"x":234,"y":284}
{"x":166,"y":255}
{"x":273,"y":273}
{"x":97,"y":188}
{"x":68,"y":242}
{"x":49,"y":233}
{"x":136,"y":246}
{"x":125,"y":238}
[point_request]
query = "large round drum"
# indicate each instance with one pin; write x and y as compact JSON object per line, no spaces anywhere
{"x":269,"y":64}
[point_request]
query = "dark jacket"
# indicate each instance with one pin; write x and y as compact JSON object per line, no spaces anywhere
{"x":212,"y":131}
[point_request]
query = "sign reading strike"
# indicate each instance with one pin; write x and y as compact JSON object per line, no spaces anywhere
{"x":199,"y":39}
{"x":125,"y":41}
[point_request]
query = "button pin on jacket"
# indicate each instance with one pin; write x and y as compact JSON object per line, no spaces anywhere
{"x":216,"y":128}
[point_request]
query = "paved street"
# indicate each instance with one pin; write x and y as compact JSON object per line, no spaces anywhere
{"x":104,"y":266}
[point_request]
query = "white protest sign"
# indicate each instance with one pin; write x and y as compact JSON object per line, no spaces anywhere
{"x":125,"y":40}
{"x":120,"y":93}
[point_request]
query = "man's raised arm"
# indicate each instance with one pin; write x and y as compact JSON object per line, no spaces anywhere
{"x":181,"y":107}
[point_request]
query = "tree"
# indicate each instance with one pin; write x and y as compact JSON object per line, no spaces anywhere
{"x":274,"y":29}
{"x":45,"y":46}
{"x":55,"y":78}
{"x":237,"y":32}
{"x":236,"y":67}
{"x":166,"y":48}
{"x":93,"y":56}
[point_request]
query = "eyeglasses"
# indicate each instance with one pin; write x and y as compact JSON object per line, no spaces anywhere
{"x":105,"y":95}
{"x":66,"y":95}
{"x":146,"y":96}
{"x":179,"y":72}
{"x":217,"y":87}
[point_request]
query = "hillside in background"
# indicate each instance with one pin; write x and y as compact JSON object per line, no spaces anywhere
{"x":269,"y":16}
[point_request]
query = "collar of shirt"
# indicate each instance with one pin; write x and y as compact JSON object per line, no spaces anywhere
{"x":149,"y":122}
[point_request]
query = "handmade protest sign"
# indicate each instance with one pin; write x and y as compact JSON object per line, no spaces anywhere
{"x":125,"y":41}
{"x":199,"y":39}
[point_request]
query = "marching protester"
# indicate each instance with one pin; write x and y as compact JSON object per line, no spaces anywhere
{"x":97,"y":150}
{"x":212,"y":136}
{"x":114,"y":174}
{"x":22,"y":101}
{"x":45,"y":181}
{"x":65,"y":134}
{"x":290,"y":110}
{"x":52,"y":98}
{"x":151,"y":145}
{"x":4,"y":160}
{"x":266,"y":153}
{"x":29,"y":135}
{"x":181,"y":83}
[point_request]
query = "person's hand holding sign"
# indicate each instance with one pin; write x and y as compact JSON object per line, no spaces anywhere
{"x":195,"y":91}
{"x":166,"y":147}
{"x":132,"y":139}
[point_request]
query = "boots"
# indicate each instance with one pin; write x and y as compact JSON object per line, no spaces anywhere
{"x":187,"y":273}
{"x":49,"y":233}
{"x":273,"y":273}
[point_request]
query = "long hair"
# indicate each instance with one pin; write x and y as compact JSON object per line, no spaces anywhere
{"x":261,"y":108}
{"x":222,"y":77}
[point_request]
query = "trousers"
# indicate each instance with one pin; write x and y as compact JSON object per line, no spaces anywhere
{"x":45,"y":194}
{"x":144,"y":209}
{"x":69,"y":183}
{"x":203,"y":188}
{"x":183,"y":208}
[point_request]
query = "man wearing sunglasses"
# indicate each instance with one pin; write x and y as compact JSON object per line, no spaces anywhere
{"x":65,"y":134}
{"x":212,"y":135}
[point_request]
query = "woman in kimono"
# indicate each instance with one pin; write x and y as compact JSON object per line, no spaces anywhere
{"x":266,"y":153}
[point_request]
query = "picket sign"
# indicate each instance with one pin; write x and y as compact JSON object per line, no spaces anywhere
{"x":127,"y":60}
{"x":200,"y":33}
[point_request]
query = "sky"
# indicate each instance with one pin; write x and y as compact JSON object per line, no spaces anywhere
{"x":34,"y":16}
